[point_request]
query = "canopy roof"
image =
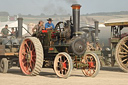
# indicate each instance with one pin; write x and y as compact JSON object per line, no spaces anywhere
{"x":13,"y":24}
{"x":117,"y":22}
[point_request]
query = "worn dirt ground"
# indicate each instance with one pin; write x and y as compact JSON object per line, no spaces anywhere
{"x":107,"y":76}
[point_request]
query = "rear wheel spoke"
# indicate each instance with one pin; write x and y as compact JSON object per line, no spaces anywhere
{"x":125,"y":60}
{"x":121,"y":54}
{"x":124,"y":49}
{"x":125,"y":45}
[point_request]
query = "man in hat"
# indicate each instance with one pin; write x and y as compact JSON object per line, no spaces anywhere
{"x":5,"y":31}
{"x":38,"y":27}
{"x":49,"y":25}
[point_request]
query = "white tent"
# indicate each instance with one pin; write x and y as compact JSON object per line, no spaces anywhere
{"x":101,"y":25}
{"x":13,"y":24}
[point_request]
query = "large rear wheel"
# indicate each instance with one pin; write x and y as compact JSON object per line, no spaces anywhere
{"x":121,"y":54}
{"x":31,"y":56}
{"x":93,"y":65}
{"x":63,"y":65}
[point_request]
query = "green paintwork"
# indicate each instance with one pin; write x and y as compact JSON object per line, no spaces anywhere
{"x":115,"y":40}
{"x":52,"y":51}
{"x":96,"y":52}
{"x":80,"y":65}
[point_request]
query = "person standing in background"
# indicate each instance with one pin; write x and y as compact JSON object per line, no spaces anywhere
{"x":5,"y":31}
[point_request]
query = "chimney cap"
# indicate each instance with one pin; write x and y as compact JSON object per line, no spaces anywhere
{"x":76,"y":6}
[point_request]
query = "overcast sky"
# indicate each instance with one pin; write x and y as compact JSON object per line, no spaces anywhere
{"x":36,"y":7}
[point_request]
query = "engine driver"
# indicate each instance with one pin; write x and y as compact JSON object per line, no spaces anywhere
{"x":49,"y":25}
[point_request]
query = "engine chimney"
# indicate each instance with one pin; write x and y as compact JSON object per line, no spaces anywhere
{"x":96,"y":30}
{"x":76,"y":17}
{"x":20,"y":22}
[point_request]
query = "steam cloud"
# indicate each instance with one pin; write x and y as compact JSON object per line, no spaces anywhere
{"x":71,"y":1}
{"x":51,"y":8}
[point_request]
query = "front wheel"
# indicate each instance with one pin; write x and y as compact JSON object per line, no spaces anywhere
{"x":93,"y":65}
{"x":4,"y":65}
{"x":63,"y":65}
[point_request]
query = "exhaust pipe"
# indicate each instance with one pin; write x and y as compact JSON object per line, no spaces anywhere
{"x":76,"y":17}
{"x":20,"y":23}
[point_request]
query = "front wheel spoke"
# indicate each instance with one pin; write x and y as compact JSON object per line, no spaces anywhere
{"x":90,"y":72}
{"x":66,"y":71}
{"x":60,"y":59}
{"x":93,"y":71}
{"x":62,"y":72}
{"x":86,"y":71}
{"x":65,"y":61}
{"x":65,"y":68}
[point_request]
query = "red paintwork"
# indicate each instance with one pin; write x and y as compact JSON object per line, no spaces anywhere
{"x":64,"y":65}
{"x":24,"y":49}
{"x":53,"y":35}
{"x":91,"y":64}
{"x":44,"y":31}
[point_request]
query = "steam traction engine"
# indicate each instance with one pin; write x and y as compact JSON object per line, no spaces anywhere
{"x":118,"y":42}
{"x":9,"y":48}
{"x":62,"y":48}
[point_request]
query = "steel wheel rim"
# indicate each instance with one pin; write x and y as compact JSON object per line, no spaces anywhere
{"x":91,"y":62}
{"x":27,"y":56}
{"x":62,"y":65}
{"x":122,"y":53}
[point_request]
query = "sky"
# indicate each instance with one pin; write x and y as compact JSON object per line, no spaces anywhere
{"x":49,"y":7}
